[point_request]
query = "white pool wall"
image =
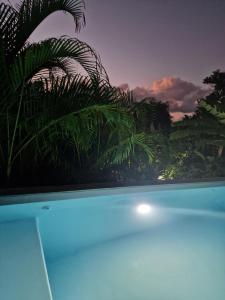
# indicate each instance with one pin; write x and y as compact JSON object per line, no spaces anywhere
{"x":23,"y":274}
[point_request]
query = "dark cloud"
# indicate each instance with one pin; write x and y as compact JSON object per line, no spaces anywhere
{"x":181,"y":95}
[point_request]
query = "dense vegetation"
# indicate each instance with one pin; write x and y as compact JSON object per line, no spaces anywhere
{"x":198,"y":141}
{"x":58,"y":126}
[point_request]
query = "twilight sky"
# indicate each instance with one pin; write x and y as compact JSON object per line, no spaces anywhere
{"x":158,"y":47}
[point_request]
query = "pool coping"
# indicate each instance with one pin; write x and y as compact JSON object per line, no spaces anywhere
{"x":59,"y":193}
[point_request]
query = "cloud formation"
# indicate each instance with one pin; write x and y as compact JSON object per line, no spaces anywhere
{"x":181,"y":95}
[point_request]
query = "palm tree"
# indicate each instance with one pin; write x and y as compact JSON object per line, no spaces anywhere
{"x":143,"y":154}
{"x":60,"y":112}
{"x":22,"y":62}
{"x":63,"y":112}
{"x":42,"y":108}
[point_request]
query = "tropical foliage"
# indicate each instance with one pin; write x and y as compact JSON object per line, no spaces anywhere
{"x":48,"y":111}
{"x":198,"y":142}
{"x":59,"y":125}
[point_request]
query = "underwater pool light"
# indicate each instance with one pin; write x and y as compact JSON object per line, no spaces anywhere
{"x":144,"y":209}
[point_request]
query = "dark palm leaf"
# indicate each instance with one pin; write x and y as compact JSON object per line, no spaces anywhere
{"x":197,"y":128}
{"x":44,"y":55}
{"x":32,"y":12}
{"x":126,"y":148}
{"x":8,"y":28}
{"x":64,"y":108}
{"x":7,"y":92}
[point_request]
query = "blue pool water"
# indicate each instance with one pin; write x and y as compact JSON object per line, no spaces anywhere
{"x":98,"y":245}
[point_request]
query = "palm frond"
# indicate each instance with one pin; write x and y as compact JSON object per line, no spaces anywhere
{"x":8,"y":28}
{"x":71,"y":108}
{"x":32,"y":12}
{"x":120,"y":152}
{"x":44,"y":55}
{"x":7,"y":92}
{"x":199,"y":127}
{"x":214,"y":111}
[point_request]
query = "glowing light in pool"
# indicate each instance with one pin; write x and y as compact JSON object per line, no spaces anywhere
{"x":144,"y":209}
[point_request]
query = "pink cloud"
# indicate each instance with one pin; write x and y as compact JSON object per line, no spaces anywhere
{"x":181,"y":95}
{"x":176,"y":116}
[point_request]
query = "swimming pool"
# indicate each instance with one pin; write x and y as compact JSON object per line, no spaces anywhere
{"x":137,"y":243}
